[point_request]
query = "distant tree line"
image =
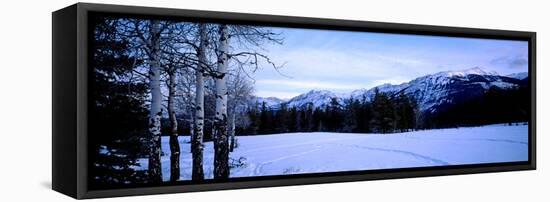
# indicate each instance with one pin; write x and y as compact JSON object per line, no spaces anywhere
{"x":494,"y":106}
{"x":383,"y":114}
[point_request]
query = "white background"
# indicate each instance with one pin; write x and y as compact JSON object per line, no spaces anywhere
{"x":25,"y":90}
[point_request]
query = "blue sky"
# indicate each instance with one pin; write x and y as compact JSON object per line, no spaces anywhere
{"x":343,"y":61}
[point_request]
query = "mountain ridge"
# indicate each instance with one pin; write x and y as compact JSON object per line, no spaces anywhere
{"x":431,"y":91}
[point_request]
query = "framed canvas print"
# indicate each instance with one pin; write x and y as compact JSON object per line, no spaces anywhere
{"x":154,"y":100}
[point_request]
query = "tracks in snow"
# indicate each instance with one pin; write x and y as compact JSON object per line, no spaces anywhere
{"x":474,"y":139}
{"x":258,"y":169}
{"x":415,"y":155}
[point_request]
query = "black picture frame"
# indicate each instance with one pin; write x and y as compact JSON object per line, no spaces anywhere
{"x":70,"y":49}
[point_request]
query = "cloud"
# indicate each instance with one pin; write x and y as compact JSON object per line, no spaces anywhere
{"x":308,"y":84}
{"x":333,"y":64}
{"x":393,"y":81}
{"x":277,"y":94}
{"x":340,"y":71}
{"x":515,"y":62}
{"x":345,"y":61}
{"x":287,"y":88}
{"x":518,"y":62}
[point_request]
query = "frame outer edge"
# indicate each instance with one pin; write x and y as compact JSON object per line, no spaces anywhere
{"x":64,"y":143}
{"x":533,"y":80}
{"x":82,"y":99}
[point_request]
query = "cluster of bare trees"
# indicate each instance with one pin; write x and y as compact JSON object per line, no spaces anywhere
{"x":184,"y":64}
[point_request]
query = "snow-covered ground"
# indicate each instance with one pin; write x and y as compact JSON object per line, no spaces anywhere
{"x":328,"y":152}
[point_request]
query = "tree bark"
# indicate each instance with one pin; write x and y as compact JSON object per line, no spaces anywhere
{"x":174,"y":143}
{"x":191,"y":134}
{"x":221,"y":143}
{"x":154,"y":168}
{"x":232,"y":132}
{"x":197,"y":146}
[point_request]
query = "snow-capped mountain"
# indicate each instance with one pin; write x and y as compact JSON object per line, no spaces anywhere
{"x":316,"y":98}
{"x":367,"y":94}
{"x":431,"y":92}
{"x":445,"y":88}
{"x":269,"y":101}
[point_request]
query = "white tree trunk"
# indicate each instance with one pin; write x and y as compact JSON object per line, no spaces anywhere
{"x":221,"y":143}
{"x":174,"y":143}
{"x":154,"y":170}
{"x":197,"y":140}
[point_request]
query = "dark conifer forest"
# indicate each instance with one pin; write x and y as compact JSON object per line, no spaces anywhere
{"x":389,"y":114}
{"x":382,"y":115}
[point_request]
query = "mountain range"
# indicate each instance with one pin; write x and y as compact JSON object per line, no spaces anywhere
{"x":431,"y":92}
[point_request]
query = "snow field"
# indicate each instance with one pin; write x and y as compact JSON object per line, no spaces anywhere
{"x":315,"y":152}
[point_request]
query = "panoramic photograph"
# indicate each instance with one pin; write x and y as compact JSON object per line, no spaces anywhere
{"x":176,"y":101}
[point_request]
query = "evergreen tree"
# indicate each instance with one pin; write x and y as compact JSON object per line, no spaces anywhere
{"x":383,"y":113}
{"x":254,"y":126}
{"x":302,"y":120}
{"x":292,"y":120}
{"x":405,"y":110}
{"x":351,"y":115}
{"x":334,"y":115}
{"x":282,"y":119}
{"x":118,"y":116}
{"x":266,"y":120}
{"x":363,"y":117}
{"x":309,"y":119}
{"x":317,"y":118}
